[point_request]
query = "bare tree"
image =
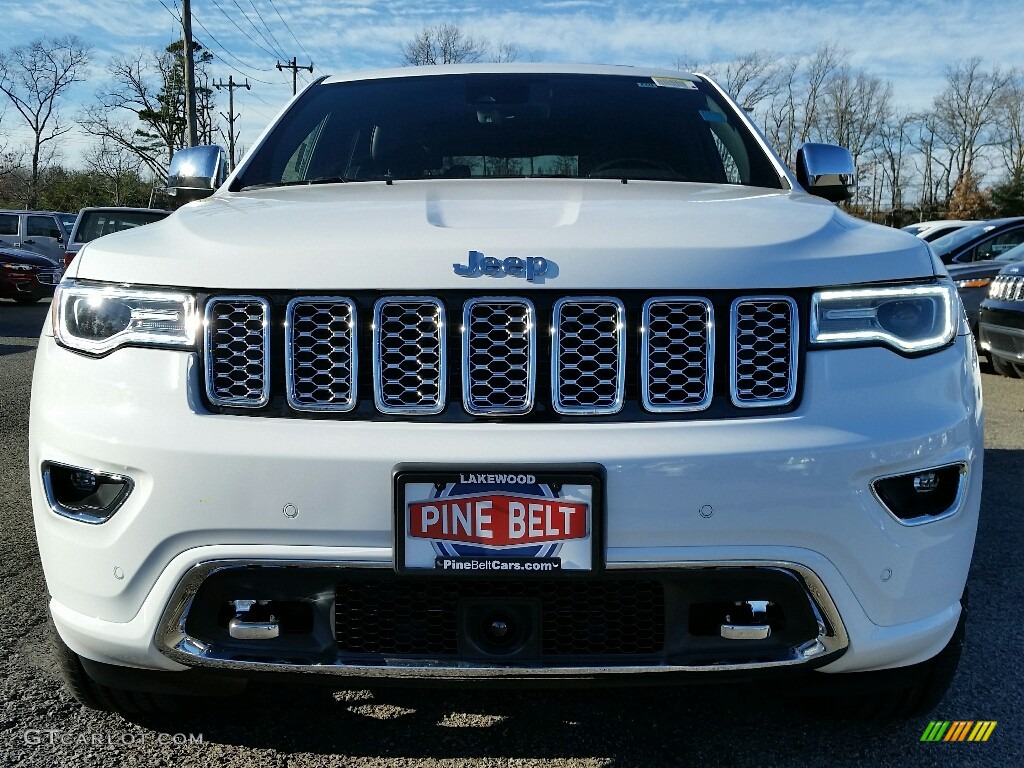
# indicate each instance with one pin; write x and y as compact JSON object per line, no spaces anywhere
{"x":751,"y":78}
{"x":1009,"y":126}
{"x":142,"y":108}
{"x":820,"y":70}
{"x":449,"y":43}
{"x":853,"y":106}
{"x":933,"y":164}
{"x":791,"y":116}
{"x":964,"y":113}
{"x":117,"y":166}
{"x":35,"y":77}
{"x":894,"y":146}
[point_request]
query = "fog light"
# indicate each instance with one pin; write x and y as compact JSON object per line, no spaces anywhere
{"x":83,"y":481}
{"x":926,"y":482}
{"x":922,"y":496}
{"x":86,"y":495}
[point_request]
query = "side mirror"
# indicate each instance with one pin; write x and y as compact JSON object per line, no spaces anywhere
{"x":827,"y":171}
{"x":196,"y":172}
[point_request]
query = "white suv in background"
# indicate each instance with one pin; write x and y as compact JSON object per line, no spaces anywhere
{"x":40,"y":232}
{"x":508,"y":373}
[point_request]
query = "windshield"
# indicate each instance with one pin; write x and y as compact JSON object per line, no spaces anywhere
{"x":98,"y":223}
{"x":506,"y":125}
{"x":1014,"y":254}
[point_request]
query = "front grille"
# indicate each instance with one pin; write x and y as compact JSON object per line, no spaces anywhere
{"x":409,"y":355}
{"x":589,"y":355}
{"x":578,"y":618}
{"x":49,"y":276}
{"x":1007,"y":288}
{"x":237,"y":350}
{"x":499,"y":356}
{"x":679,"y":357}
{"x":626,"y":358}
{"x":764,"y":349}
{"x":320,"y":354}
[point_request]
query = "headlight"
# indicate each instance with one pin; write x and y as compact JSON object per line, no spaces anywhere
{"x":97,"y":318}
{"x":913,"y":318}
{"x":976,"y":282}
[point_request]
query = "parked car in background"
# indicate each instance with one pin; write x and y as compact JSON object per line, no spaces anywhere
{"x":39,"y":232}
{"x":26,"y":277}
{"x":96,"y":222}
{"x":1001,"y":321}
{"x":974,"y":278}
{"x":931,"y":230}
{"x":67,"y":219}
{"x":979,"y":242}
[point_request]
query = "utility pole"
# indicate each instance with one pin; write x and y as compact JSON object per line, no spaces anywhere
{"x":295,"y":71}
{"x":190,"y":77}
{"x":230,"y":116}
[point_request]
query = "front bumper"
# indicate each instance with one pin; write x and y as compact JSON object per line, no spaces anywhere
{"x":1001,"y":331}
{"x":790,"y":491}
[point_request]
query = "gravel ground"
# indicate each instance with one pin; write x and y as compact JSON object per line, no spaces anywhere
{"x":708,"y":725}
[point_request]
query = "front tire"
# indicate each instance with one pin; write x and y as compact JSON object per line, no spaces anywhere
{"x":896,"y":694}
{"x":94,"y":695}
{"x":1005,"y":368}
{"x":25,"y":298}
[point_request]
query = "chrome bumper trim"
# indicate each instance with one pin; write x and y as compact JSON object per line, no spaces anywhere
{"x":175,"y":643}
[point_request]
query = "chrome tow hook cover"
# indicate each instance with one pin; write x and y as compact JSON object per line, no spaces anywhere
{"x":758,"y":610}
{"x":240,"y":628}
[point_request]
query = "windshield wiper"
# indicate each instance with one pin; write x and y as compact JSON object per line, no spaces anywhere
{"x":299,"y":182}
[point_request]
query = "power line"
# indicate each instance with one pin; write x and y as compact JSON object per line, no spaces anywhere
{"x":255,"y":27}
{"x":174,"y":14}
{"x":231,"y":66}
{"x":266,"y":26}
{"x":301,"y":47}
{"x":213,"y":53}
{"x":239,"y":28}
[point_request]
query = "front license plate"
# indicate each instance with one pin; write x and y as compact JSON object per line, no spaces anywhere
{"x":534,"y":521}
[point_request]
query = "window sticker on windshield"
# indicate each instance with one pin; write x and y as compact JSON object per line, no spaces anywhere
{"x":674,"y":82}
{"x":710,"y":116}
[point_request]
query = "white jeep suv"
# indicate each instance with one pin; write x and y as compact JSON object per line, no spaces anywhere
{"x":508,"y":372}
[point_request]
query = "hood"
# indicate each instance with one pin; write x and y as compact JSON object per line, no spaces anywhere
{"x":975,"y":269}
{"x":16,"y":256}
{"x":599,"y":234}
{"x":1015,"y":268}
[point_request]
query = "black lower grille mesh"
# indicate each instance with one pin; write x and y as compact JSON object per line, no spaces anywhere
{"x":578,"y":618}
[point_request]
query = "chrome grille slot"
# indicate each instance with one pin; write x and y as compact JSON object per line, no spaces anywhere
{"x":677,"y":354}
{"x":237,"y":340}
{"x":764,"y":351}
{"x":588,"y":358}
{"x":49,"y":276}
{"x":1008,"y":288}
{"x":409,"y":355}
{"x":320,"y":354}
{"x":499,"y":350}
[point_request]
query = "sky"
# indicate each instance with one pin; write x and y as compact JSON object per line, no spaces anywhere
{"x":909,"y":44}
